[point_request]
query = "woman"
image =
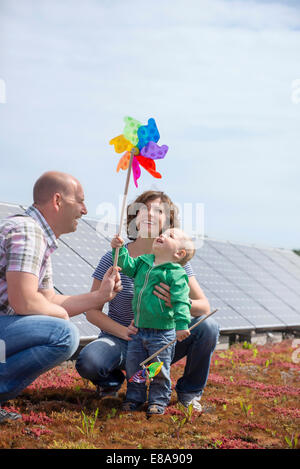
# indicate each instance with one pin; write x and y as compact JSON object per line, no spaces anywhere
{"x":102,"y":360}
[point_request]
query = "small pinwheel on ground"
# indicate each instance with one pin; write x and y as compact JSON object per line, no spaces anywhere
{"x":141,"y":140}
{"x":146,"y":372}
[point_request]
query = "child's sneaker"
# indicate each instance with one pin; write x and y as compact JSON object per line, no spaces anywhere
{"x":155,"y":409}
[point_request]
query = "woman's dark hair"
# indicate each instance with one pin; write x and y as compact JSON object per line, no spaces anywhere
{"x":170,"y":209}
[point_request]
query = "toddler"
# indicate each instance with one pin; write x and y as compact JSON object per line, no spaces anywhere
{"x":157,"y":323}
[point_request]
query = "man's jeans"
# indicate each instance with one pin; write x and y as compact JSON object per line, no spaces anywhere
{"x":32,"y":345}
{"x":101,"y":361}
{"x":145,"y":343}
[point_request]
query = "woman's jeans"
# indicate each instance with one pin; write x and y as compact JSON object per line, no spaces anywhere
{"x":101,"y":361}
{"x":198,"y":349}
{"x":31,"y":345}
{"x":145,"y":343}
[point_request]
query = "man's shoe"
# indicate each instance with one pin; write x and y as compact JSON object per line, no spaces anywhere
{"x":5,"y":415}
{"x":155,"y":409}
{"x":195,"y":403}
{"x":106,"y":392}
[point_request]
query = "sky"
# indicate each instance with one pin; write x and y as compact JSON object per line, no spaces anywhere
{"x":220,"y":77}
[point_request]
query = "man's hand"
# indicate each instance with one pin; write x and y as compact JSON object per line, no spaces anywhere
{"x":183,"y":334}
{"x":117,"y":242}
{"x":110,"y":285}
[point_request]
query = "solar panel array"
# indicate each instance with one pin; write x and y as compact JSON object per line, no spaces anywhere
{"x":260,"y":290}
{"x":254,"y":289}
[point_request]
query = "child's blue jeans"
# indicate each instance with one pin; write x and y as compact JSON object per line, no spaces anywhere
{"x":143,"y":344}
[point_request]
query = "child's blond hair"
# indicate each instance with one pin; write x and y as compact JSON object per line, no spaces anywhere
{"x":186,"y":244}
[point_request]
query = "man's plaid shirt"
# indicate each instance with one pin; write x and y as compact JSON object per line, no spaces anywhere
{"x":26,"y":242}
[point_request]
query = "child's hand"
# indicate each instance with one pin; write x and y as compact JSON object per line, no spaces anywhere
{"x":117,"y":242}
{"x":181,"y":335}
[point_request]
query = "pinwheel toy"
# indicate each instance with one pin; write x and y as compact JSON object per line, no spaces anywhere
{"x":147,"y":372}
{"x":139,"y":142}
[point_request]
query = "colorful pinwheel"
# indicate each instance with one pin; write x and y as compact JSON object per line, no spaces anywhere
{"x":147,"y":372}
{"x":140,"y":145}
{"x":141,"y":140}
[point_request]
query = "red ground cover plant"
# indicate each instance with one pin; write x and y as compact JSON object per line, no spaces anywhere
{"x":251,"y":401}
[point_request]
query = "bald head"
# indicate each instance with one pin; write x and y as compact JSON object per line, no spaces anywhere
{"x":53,"y":182}
{"x":60,"y":199}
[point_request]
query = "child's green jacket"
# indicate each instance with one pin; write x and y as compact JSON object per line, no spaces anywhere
{"x":149,"y":310}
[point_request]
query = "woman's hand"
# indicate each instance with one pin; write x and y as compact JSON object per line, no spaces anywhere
{"x":130,"y":330}
{"x":162,"y":291}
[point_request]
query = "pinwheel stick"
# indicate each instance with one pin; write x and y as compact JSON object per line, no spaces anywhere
{"x":142,"y":364}
{"x":124,"y":202}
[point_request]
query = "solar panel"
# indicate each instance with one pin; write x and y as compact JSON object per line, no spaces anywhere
{"x":86,"y":329}
{"x":107,"y":230}
{"x":274,"y":278}
{"x":257,"y":282}
{"x":71,"y":274}
{"x":290,"y":272}
{"x":227,"y":317}
{"x":292,"y":256}
{"x":236,"y":286}
{"x":250,"y":314}
{"x":292,"y":261}
{"x":7,"y":210}
{"x":87,"y":243}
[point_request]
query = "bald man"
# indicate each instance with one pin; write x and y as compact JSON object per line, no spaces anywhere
{"x":35,"y":331}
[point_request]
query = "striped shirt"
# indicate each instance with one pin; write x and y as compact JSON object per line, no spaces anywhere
{"x":26,"y":242}
{"x":120,"y":308}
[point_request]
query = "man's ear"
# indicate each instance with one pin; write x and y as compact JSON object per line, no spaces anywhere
{"x":56,"y":201}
